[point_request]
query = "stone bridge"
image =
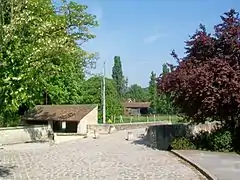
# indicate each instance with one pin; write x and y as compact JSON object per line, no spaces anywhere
{"x":110,"y":157}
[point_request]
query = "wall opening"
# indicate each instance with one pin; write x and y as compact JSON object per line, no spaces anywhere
{"x":71,"y":127}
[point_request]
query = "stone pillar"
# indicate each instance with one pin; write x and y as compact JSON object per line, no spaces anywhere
{"x":50,"y":125}
{"x":82,"y":127}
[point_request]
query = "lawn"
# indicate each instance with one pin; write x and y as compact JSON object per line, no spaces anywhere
{"x":132,"y":119}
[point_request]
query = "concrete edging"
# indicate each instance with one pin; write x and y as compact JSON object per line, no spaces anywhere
{"x":197,"y":166}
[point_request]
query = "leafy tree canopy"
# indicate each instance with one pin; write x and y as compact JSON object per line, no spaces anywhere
{"x":206,"y":82}
{"x":92,"y":95}
{"x":137,"y":93}
{"x":41,"y":57}
{"x":117,"y":75}
{"x":153,"y":95}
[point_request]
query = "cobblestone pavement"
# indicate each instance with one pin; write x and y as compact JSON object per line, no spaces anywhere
{"x":109,"y":158}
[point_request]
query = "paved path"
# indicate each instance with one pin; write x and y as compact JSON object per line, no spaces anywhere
{"x":109,"y":158}
{"x":224,"y":166}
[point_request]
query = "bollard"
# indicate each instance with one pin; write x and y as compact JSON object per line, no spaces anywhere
{"x":95,"y":134}
{"x":51,"y":137}
{"x":129,"y":136}
{"x":146,"y":131}
{"x":111,"y":129}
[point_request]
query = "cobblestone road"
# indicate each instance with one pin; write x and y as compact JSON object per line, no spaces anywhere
{"x":109,"y":158}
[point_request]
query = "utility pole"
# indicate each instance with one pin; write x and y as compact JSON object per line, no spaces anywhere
{"x":104,"y":98}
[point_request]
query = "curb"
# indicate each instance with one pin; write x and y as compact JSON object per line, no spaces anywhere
{"x":197,"y":166}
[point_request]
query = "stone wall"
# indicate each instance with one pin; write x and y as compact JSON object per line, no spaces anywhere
{"x":90,"y":119}
{"x":104,"y":128}
{"x":22,"y":134}
{"x":161,"y":136}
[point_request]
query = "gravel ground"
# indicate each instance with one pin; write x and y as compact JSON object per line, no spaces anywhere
{"x":110,"y":157}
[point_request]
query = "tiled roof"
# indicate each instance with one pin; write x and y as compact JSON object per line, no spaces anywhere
{"x":59,"y":112}
{"x":136,"y":104}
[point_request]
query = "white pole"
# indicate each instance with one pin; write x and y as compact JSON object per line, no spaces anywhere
{"x":104,"y":98}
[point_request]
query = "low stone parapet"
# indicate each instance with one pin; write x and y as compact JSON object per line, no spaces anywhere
{"x":23,"y":134}
{"x":161,"y":136}
{"x":105,"y":128}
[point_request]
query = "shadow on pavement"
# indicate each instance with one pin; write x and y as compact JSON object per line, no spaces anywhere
{"x":142,"y":140}
{"x":5,"y":170}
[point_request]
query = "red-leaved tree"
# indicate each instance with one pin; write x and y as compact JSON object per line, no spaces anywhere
{"x":205,"y":84}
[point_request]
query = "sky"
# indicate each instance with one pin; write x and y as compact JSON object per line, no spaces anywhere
{"x":144,"y":32}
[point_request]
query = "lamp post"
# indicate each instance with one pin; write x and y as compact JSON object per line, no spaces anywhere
{"x":104,"y":95}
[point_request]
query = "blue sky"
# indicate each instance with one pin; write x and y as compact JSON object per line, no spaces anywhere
{"x":143,"y":32}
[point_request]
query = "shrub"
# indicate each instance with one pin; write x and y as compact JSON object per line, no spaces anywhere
{"x":182,"y":143}
{"x":221,"y":141}
{"x":202,"y":140}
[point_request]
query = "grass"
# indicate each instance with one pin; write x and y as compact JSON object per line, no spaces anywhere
{"x":133,"y":119}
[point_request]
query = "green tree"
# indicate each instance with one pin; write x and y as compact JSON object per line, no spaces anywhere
{"x":137,"y":93}
{"x":41,"y":60}
{"x":153,"y":95}
{"x":164,"y":100}
{"x":92,"y":95}
{"x":165,"y":69}
{"x":117,"y":75}
{"x":125,"y":87}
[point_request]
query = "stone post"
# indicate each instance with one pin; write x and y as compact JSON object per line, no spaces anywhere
{"x":50,"y":125}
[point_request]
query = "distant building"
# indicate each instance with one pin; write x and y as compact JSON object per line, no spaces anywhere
{"x":63,"y":118}
{"x":132,"y":108}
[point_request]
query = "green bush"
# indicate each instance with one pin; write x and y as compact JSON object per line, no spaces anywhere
{"x":182,"y":143}
{"x":218,"y":140}
{"x":221,"y":141}
{"x":202,"y":140}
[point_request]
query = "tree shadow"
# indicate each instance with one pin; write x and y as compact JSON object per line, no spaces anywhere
{"x":39,"y":114}
{"x":142,"y":140}
{"x":6,"y":170}
{"x":35,"y":115}
{"x":35,"y":134}
{"x":45,"y":113}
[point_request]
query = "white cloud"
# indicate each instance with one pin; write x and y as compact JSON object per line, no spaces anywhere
{"x":153,"y":38}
